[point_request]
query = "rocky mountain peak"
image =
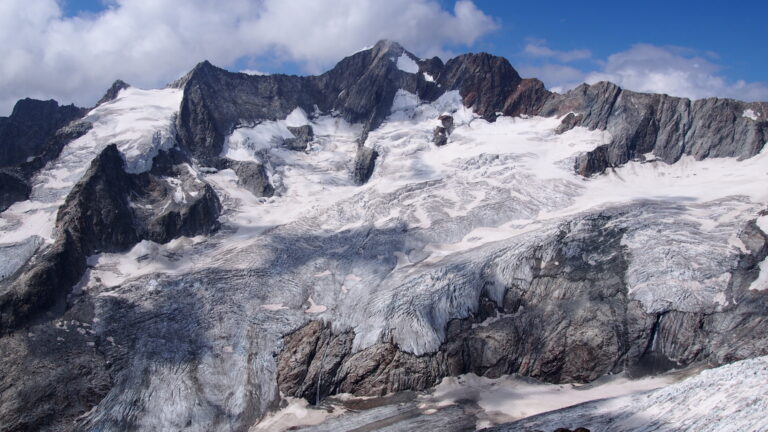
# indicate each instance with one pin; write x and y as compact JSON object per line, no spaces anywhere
{"x":113,"y":91}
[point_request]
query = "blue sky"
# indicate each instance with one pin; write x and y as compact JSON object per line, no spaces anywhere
{"x":72,"y":50}
{"x":735,"y":33}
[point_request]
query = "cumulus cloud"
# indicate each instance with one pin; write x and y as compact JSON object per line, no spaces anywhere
{"x":676,"y":71}
{"x":539,"y":48}
{"x":150,"y":42}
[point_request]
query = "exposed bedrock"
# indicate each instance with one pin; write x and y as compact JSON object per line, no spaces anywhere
{"x":32,"y":123}
{"x":303,"y":135}
{"x":440,"y":134}
{"x":109,"y":210}
{"x":32,"y":136}
{"x":664,"y":126}
{"x":573,"y":322}
{"x":13,"y":187}
{"x":113,"y":91}
{"x":365,"y":162}
{"x":250,"y":175}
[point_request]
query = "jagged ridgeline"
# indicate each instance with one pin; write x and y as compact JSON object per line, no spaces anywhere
{"x":182,"y":258}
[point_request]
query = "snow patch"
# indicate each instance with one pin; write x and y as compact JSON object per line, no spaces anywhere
{"x":253,"y":72}
{"x":508,"y":398}
{"x":729,"y":398}
{"x":274,"y":307}
{"x":315,"y":308}
{"x":751,"y":114}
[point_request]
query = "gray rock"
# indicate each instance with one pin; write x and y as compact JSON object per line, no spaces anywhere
{"x":250,"y":175}
{"x":30,"y":126}
{"x":113,"y":91}
{"x":569,"y":122}
{"x":13,"y":187}
{"x":303,"y":135}
{"x":440,"y":136}
{"x":447,"y":122}
{"x":668,"y":127}
{"x":365,"y":162}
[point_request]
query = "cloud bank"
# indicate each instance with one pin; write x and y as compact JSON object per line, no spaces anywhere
{"x":643,"y":67}
{"x":149,"y":42}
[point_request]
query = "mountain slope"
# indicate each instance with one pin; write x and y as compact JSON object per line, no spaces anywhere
{"x":202,"y":249}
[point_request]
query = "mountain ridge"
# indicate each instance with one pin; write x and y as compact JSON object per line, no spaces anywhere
{"x":371,"y":230}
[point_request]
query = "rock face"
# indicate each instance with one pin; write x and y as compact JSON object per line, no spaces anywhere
{"x":250,"y":175}
{"x":109,"y":210}
{"x":573,"y":322}
{"x":302,"y":137}
{"x":667,"y":127}
{"x":113,"y":91}
{"x":440,"y":134}
{"x":13,"y":187}
{"x":33,"y":138}
{"x":31,"y":125}
{"x":365,"y":162}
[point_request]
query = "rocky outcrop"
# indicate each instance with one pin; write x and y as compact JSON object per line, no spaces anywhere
{"x":30,"y":126}
{"x":302,"y":136}
{"x":64,"y":369}
{"x":250,"y":175}
{"x":665,"y":126}
{"x":34,"y":135}
{"x":113,"y":91}
{"x":574,"y":322}
{"x":440,"y":134}
{"x":109,"y":210}
{"x":13,"y":187}
{"x":483,"y":80}
{"x":365,"y":162}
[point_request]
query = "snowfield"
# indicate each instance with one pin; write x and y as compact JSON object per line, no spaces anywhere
{"x":730,"y":398}
{"x":399,"y":257}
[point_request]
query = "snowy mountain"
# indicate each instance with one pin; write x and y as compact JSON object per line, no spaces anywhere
{"x":185,"y":258}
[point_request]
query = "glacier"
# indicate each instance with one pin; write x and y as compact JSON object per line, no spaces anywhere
{"x":194,"y":330}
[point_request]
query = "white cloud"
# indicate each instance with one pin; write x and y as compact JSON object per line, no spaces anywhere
{"x":539,"y":48}
{"x":675,"y":71}
{"x":150,"y":42}
{"x":253,"y":72}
